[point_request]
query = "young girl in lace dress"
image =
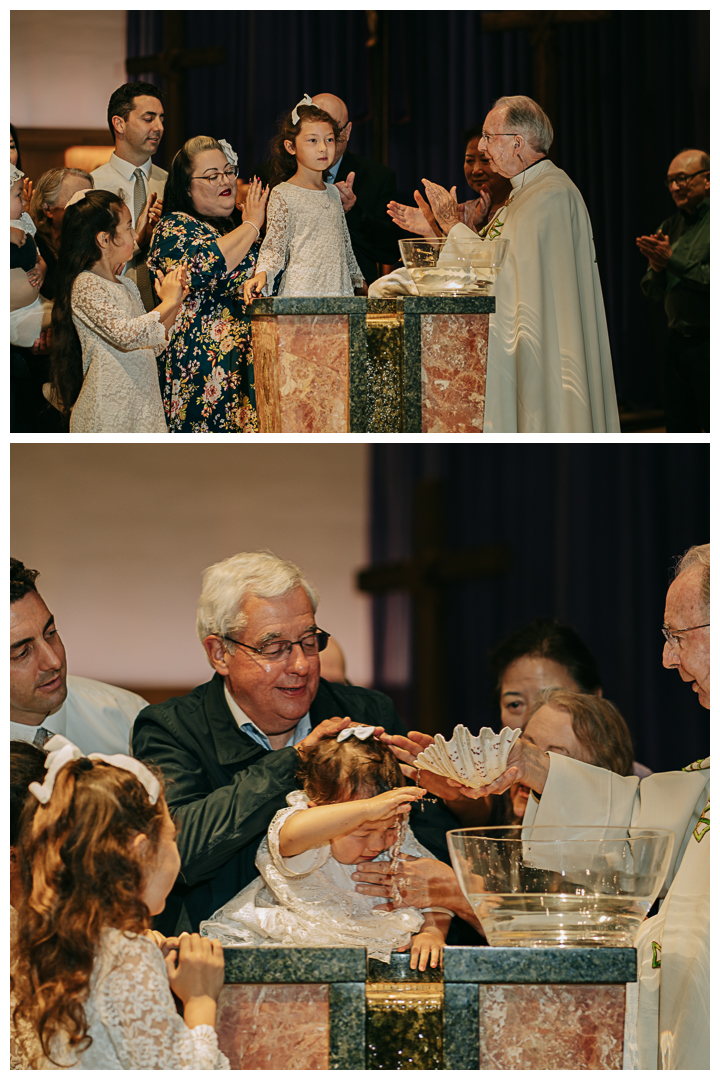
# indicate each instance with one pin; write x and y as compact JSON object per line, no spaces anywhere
{"x":103,"y":341}
{"x":307,"y":236}
{"x":90,"y":987}
{"x":350,"y":811}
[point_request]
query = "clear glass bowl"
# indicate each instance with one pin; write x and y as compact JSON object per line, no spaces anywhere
{"x":560,"y":885}
{"x":449,"y":267}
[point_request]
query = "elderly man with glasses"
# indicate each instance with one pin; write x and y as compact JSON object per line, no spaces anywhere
{"x":679,"y":278}
{"x":667,"y":1021}
{"x":229,"y":750}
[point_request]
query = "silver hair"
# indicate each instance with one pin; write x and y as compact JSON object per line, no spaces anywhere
{"x":698,"y":555}
{"x":525,"y":116}
{"x":228,"y":584}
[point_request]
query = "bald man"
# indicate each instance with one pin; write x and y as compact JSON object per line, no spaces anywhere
{"x":366,"y":188}
{"x":679,"y":278}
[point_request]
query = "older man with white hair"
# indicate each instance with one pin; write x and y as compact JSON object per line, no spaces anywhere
{"x":549,"y":363}
{"x":667,"y":1022}
{"x":229,"y":750}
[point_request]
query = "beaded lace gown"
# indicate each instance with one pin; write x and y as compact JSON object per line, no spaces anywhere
{"x":119,"y":339}
{"x":132,"y":1018}
{"x":310,"y":899}
{"x":307,"y":238}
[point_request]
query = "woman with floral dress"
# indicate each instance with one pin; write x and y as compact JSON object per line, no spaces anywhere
{"x":206,"y":372}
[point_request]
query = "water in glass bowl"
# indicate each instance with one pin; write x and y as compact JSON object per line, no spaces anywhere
{"x":552,"y":919}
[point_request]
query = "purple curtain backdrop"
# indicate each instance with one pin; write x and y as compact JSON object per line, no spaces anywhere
{"x":593,"y":533}
{"x":632,"y":91}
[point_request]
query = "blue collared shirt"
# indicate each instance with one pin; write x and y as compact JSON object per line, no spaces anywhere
{"x":247,"y":726}
{"x":333,"y":170}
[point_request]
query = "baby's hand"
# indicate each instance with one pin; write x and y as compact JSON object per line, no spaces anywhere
{"x":389,"y":803}
{"x":254,"y":286}
{"x":428,"y":944}
{"x":17,"y":236}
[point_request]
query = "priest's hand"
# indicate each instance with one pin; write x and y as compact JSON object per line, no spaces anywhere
{"x":444,"y":205}
{"x":526,"y":765}
{"x":410,"y":219}
{"x":347,"y":195}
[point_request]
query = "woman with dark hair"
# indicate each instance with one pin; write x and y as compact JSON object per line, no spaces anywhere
{"x":104,"y":342}
{"x":206,"y":372}
{"x":14,"y":149}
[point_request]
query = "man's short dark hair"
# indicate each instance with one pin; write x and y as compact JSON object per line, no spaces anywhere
{"x":122,"y":101}
{"x":27,"y":765}
{"x":22,"y":580}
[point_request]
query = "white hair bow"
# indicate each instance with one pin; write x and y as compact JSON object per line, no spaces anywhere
{"x":307,"y":100}
{"x":360,"y":731}
{"x":16,"y":174}
{"x":228,"y":151}
{"x":63,"y":751}
{"x":77,"y":197}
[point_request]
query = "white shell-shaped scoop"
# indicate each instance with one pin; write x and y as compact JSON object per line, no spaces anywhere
{"x":472,"y":760}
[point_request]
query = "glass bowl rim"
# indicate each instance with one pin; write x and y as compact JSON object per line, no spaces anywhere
{"x":635,"y":833}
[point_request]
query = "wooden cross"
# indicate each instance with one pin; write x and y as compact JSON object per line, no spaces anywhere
{"x":425,"y":576}
{"x":543,"y":39}
{"x":171,"y":64}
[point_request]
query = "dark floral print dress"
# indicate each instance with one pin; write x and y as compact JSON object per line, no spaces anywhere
{"x":206,"y":372}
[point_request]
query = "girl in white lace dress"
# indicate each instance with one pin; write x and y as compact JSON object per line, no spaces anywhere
{"x":90,"y":987}
{"x":350,"y":811}
{"x":104,"y":343}
{"x":307,"y":237}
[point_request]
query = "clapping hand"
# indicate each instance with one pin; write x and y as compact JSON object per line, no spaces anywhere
{"x":444,"y":205}
{"x":173,"y":286}
{"x":148,"y":219}
{"x":27,"y":190}
{"x":411,"y":218}
{"x":656,"y":249}
{"x":253,"y":209}
{"x":347,"y":195}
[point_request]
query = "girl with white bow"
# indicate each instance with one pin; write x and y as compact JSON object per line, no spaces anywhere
{"x":352,"y":810}
{"x":307,"y":238}
{"x":90,"y":988}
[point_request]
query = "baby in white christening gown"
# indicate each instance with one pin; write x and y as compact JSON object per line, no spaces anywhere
{"x":352,"y":810}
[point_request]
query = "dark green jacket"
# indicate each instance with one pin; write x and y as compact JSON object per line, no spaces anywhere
{"x":683,"y":287}
{"x":224,"y":789}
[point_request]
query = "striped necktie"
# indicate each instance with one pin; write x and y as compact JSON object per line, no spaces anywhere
{"x":41,"y":736}
{"x":142,"y":274}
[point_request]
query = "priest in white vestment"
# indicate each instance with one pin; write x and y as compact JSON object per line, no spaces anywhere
{"x":667,"y":1024}
{"x":549,"y":363}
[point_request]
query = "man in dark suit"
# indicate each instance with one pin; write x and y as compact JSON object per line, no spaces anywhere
{"x":365,"y":188}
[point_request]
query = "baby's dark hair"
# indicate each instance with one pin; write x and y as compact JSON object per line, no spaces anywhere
{"x":353,"y":769}
{"x":284,"y":165}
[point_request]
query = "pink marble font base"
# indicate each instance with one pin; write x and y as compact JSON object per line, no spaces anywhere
{"x":551,"y":1027}
{"x":302,"y":381}
{"x":453,"y":352}
{"x":280,"y":1026}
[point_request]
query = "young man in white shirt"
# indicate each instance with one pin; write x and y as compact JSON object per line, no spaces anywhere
{"x":135,"y":118}
{"x":44,"y":699}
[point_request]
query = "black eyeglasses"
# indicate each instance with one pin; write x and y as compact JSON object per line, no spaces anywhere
{"x":669,"y":634}
{"x":311,"y":644}
{"x":682,"y":179}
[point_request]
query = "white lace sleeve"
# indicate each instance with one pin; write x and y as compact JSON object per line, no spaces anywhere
{"x":92,"y":302}
{"x":136,"y":1008}
{"x":294,"y":865}
{"x":273,"y":253}
{"x":356,"y":273}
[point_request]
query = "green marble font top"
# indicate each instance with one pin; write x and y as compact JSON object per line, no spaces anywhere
{"x":286,"y":964}
{"x":359,"y":305}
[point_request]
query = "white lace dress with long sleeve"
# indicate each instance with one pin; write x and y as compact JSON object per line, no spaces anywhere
{"x":131,"y":1016}
{"x":307,"y":238}
{"x":310,"y":899}
{"x":119,"y":339}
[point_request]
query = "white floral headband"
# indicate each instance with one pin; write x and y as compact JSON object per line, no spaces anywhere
{"x":361,"y":731}
{"x":15,"y":174}
{"x":63,"y":751}
{"x":307,"y":100}
{"x":228,"y":151}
